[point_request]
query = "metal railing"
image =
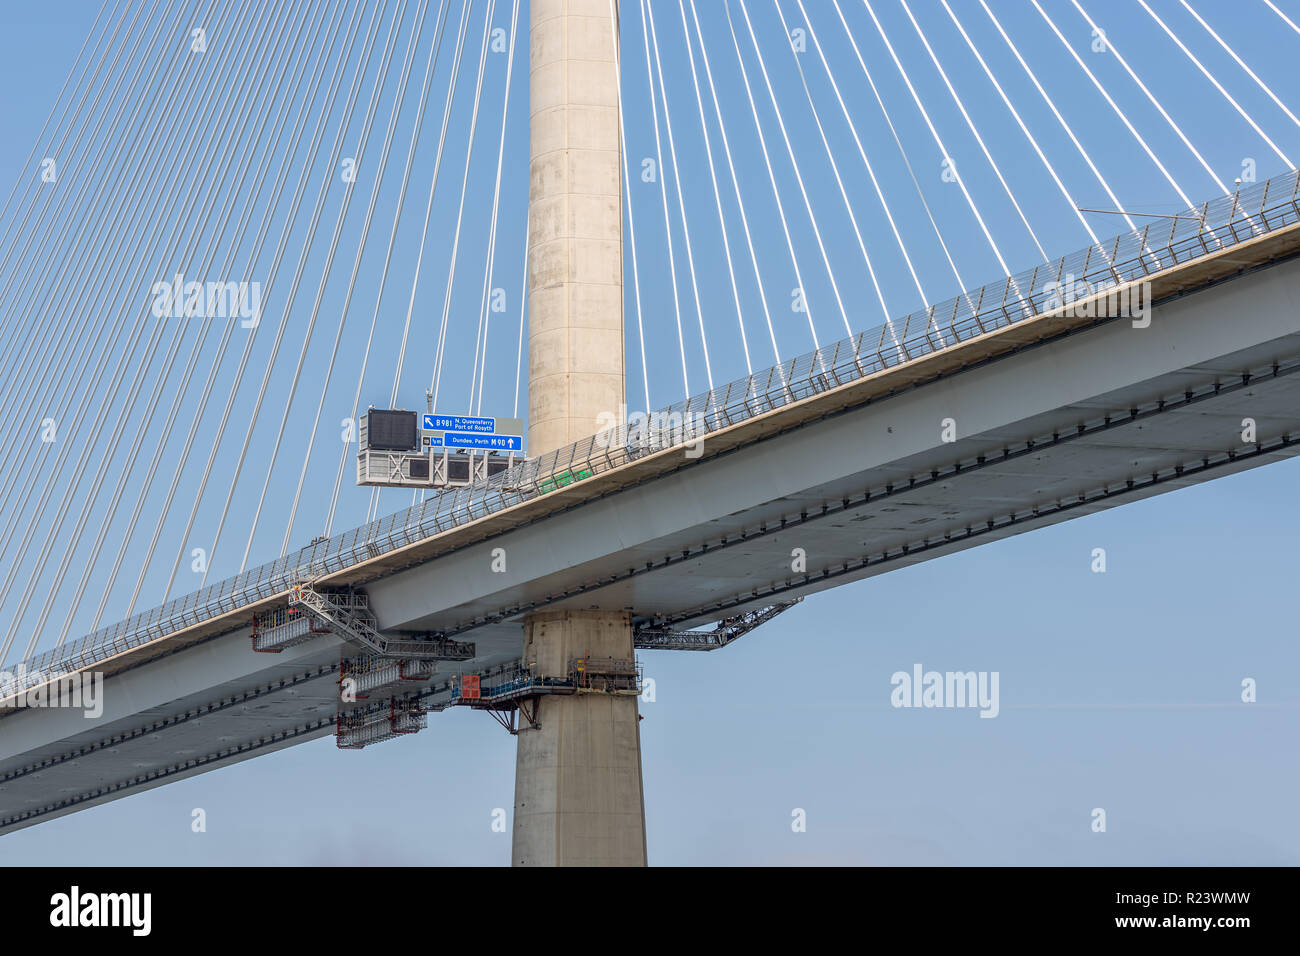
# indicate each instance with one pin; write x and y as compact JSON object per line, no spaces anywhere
{"x":516,"y":683}
{"x":1205,"y":230}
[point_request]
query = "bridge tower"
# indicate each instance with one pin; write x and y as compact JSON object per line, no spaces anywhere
{"x":578,"y":793}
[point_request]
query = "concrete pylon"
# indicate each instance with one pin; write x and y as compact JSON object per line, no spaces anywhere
{"x":575,"y":316}
{"x":578,"y":792}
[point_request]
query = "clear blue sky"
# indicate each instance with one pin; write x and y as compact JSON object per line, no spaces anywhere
{"x":1118,"y":691}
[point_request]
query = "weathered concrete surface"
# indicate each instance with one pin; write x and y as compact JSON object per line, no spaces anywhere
{"x":578,"y":792}
{"x":578,"y":796}
{"x":575,"y":315}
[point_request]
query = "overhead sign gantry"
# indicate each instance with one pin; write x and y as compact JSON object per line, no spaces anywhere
{"x":403,"y":449}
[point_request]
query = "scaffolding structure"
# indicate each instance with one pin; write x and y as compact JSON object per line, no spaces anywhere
{"x":361,"y":728}
{"x":346,"y":611}
{"x":284,"y":627}
{"x":606,"y":675}
{"x":387,"y":660}
{"x":359,"y":676}
{"x":512,"y":701}
{"x":725,"y":632}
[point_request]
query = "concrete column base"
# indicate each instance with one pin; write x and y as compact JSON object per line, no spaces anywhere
{"x":578,"y":794}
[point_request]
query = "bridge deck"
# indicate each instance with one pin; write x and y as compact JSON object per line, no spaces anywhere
{"x":857,"y":472}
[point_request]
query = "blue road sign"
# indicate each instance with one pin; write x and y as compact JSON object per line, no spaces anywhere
{"x":491,"y":442}
{"x":458,"y":423}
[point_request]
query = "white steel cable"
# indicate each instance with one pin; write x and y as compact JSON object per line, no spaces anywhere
{"x":379,"y":294}
{"x":85,"y":68}
{"x":1217,"y":85}
{"x":631,"y":224}
{"x":89,"y":497}
{"x":862,"y":152}
{"x":174,"y":414}
{"x":57,"y":346}
{"x":953,"y":166}
{"x":461,"y":36}
{"x":798,"y":173}
{"x":735,"y":182}
{"x":434,"y":49}
{"x":1242,"y":63}
{"x":1110,"y":45}
{"x":362,"y":143}
{"x":1051,"y":104}
{"x":313,"y":149}
{"x":277,"y":258}
{"x":48,"y":375}
{"x":1119,"y":207}
{"x":77,"y":131}
{"x":1141,"y":140}
{"x":30,"y":486}
{"x":898,"y":142}
{"x":1033,"y":142}
{"x":101,"y":415}
{"x":771,"y":175}
{"x":717,"y":196}
{"x":318,"y":77}
{"x":439,"y":353}
{"x":839,"y":180}
{"x":1289,"y":22}
{"x":399,"y":98}
{"x":681,"y":201}
{"x":436,"y":383}
{"x":660,"y":173}
{"x":970,"y":124}
{"x":53,"y":371}
{"x":182,"y":389}
{"x":480,"y":368}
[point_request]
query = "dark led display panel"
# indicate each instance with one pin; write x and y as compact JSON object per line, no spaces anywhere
{"x":389,"y":430}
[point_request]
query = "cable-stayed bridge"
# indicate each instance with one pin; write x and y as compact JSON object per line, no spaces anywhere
{"x":1143,"y":362}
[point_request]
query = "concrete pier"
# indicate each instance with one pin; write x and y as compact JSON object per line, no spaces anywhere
{"x":578,"y":792}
